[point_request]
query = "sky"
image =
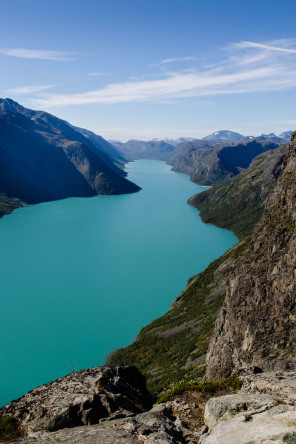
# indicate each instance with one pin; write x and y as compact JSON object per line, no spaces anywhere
{"x":144,"y":69}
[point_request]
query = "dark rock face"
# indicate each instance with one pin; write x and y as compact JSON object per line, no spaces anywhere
{"x":257,"y":325}
{"x":82,"y":398}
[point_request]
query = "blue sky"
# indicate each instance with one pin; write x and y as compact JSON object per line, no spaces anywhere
{"x":153,"y":69}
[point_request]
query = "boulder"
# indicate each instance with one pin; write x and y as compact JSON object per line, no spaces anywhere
{"x":264,"y":412}
{"x":82,"y":398}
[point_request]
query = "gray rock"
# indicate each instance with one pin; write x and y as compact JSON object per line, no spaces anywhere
{"x":226,"y":407}
{"x":274,"y":426}
{"x":266,"y":415}
{"x":280,"y":384}
{"x":82,"y":398}
{"x":156,"y":426}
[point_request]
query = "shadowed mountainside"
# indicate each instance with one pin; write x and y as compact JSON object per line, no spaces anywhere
{"x":43,"y":158}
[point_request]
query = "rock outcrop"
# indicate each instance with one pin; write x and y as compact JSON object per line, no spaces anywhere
{"x":263,"y":412}
{"x":158,"y":426}
{"x":82,"y":398}
{"x":257,"y":325}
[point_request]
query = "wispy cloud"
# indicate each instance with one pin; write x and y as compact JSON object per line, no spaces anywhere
{"x":268,"y":47}
{"x":98,"y":74}
{"x":172,"y":60}
{"x":37,"y":54}
{"x":30,"y":89}
{"x":247,"y":67}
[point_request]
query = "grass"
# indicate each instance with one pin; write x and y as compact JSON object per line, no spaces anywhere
{"x":210,"y":387}
{"x":10,"y":428}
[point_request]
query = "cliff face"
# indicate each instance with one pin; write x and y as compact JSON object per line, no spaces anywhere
{"x":257,"y":325}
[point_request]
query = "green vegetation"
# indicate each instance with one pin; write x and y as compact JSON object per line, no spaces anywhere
{"x":7,"y":204}
{"x":10,"y":428}
{"x":239,"y":204}
{"x":173,"y":347}
{"x":210,"y":387}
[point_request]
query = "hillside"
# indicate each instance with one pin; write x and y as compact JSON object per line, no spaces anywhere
{"x":256,"y":327}
{"x":213,"y":163}
{"x":239,"y":203}
{"x":43,"y":158}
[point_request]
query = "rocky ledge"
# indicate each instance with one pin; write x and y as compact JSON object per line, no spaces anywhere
{"x":99,"y":405}
{"x":264,"y":412}
{"x":82,"y":398}
{"x":106,"y":405}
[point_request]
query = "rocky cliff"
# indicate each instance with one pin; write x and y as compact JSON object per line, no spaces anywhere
{"x":257,"y":325}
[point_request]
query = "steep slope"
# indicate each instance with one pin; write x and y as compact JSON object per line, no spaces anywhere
{"x":239,"y":203}
{"x":257,"y":325}
{"x":43,"y":158}
{"x":103,"y":146}
{"x":174,"y":346}
{"x":214,"y":163}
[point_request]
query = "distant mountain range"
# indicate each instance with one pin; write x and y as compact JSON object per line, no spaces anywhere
{"x":214,"y":164}
{"x":139,"y":149}
{"x":171,"y":149}
{"x":44,"y":158}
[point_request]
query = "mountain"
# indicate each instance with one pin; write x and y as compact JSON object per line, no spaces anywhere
{"x":44,"y":158}
{"x":239,"y":203}
{"x":212,"y":163}
{"x":224,"y":135}
{"x":257,"y":325}
{"x":282,"y":138}
{"x":286,"y":136}
{"x":184,"y":333}
{"x":140,"y":149}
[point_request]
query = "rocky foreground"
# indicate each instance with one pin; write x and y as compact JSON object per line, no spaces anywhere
{"x":107,"y":405}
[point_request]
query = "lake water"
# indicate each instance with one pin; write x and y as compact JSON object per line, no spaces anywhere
{"x":81,"y":276}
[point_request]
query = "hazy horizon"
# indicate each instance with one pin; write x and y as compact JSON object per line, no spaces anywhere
{"x":144,"y":70}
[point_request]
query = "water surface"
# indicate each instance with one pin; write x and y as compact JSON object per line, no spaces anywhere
{"x":81,"y":276}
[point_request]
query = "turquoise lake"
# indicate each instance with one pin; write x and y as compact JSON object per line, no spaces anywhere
{"x":81,"y":276}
